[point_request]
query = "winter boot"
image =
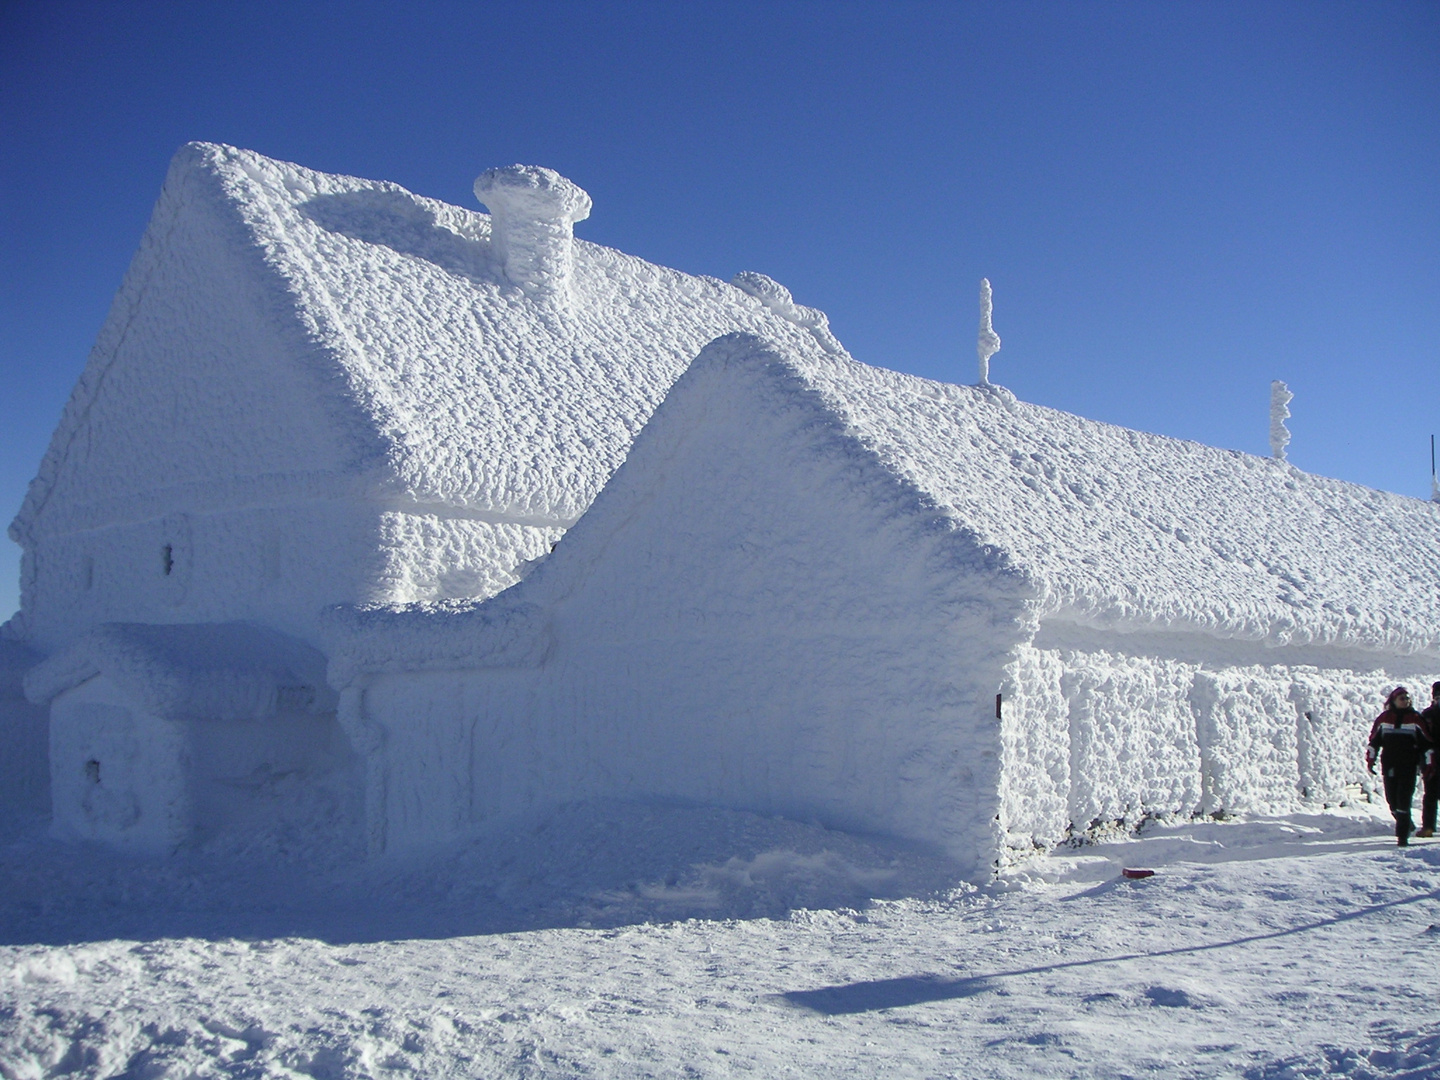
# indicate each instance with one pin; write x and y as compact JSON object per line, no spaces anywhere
{"x":1425,"y":833}
{"x":1403,"y":829}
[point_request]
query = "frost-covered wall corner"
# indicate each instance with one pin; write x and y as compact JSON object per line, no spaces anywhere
{"x":533,"y":212}
{"x":1280,"y":398}
{"x":987,"y":344}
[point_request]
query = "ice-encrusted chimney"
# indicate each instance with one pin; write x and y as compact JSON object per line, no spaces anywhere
{"x":532,"y":217}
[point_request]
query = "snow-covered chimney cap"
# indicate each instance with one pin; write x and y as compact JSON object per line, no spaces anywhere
{"x":529,"y":191}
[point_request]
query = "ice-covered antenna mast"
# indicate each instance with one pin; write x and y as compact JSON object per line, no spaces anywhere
{"x":988,"y":343}
{"x":1434,"y":480}
{"x":1280,"y":398}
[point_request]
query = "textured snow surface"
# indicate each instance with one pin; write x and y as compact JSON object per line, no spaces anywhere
{"x":385,"y":335}
{"x":1125,"y":530}
{"x":232,"y":671}
{"x":875,"y":554}
{"x":613,"y":940}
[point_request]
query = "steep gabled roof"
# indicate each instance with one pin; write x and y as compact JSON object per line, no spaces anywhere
{"x":1105,"y":527}
{"x":399,"y":361}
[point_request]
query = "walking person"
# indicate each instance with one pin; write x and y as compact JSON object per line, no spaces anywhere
{"x":1430,"y":721}
{"x":1397,"y":740}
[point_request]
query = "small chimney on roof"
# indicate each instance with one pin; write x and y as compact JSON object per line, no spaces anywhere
{"x":532,"y":216}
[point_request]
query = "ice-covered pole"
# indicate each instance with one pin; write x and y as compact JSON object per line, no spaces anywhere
{"x":1280,"y":398}
{"x":1434,"y":479}
{"x":988,"y":343}
{"x":532,"y":217}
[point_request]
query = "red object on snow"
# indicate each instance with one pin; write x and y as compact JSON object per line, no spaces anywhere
{"x":1131,"y":872}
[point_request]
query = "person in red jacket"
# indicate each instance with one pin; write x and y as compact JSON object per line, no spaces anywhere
{"x":1397,"y":740}
{"x":1430,"y":718}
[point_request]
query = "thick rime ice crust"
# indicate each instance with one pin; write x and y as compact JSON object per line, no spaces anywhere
{"x":1126,"y":530}
{"x":1280,"y":398}
{"x":216,"y":672}
{"x":777,"y":298}
{"x":532,"y":214}
{"x":987,"y":342}
{"x":804,"y":588}
{"x":329,"y":349}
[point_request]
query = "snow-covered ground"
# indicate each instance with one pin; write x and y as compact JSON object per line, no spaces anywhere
{"x":612,"y":940}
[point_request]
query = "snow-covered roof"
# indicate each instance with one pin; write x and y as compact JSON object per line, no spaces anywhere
{"x":413,"y":367}
{"x":1109,"y":528}
{"x":214,"y":671}
{"x":1127,"y":530}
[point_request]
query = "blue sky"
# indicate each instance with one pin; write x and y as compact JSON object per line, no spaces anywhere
{"x":1176,"y":203}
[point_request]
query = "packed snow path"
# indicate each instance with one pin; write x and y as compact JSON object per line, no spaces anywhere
{"x":1297,"y":947}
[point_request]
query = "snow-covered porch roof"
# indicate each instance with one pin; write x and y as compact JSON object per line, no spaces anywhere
{"x":215,"y":671}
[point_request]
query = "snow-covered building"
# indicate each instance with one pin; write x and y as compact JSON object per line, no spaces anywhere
{"x":830,"y":591}
{"x":327,"y":414}
{"x":316,"y":390}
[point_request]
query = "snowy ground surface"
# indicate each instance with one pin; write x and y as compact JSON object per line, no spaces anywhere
{"x":619,"y":941}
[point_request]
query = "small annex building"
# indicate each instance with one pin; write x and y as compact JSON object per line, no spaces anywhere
{"x":316,"y":390}
{"x":183,"y":731}
{"x":834,"y":592}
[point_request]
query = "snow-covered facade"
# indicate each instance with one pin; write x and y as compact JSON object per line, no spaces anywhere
{"x":326,"y":411}
{"x":834,"y":592}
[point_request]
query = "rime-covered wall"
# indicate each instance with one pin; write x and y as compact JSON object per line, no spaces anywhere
{"x":123,"y":775}
{"x":277,"y":565}
{"x":1106,"y":732}
{"x":24,"y":740}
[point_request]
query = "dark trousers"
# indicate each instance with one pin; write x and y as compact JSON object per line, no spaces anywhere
{"x":1430,"y":800}
{"x":1400,"y":793}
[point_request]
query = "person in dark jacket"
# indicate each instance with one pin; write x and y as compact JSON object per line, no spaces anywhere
{"x":1397,"y":740}
{"x":1430,"y":719}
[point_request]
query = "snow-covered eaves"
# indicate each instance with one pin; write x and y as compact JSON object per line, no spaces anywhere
{"x":445,"y":636}
{"x":211,"y":671}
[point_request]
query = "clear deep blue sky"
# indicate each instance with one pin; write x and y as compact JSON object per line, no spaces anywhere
{"x":1176,"y":203}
